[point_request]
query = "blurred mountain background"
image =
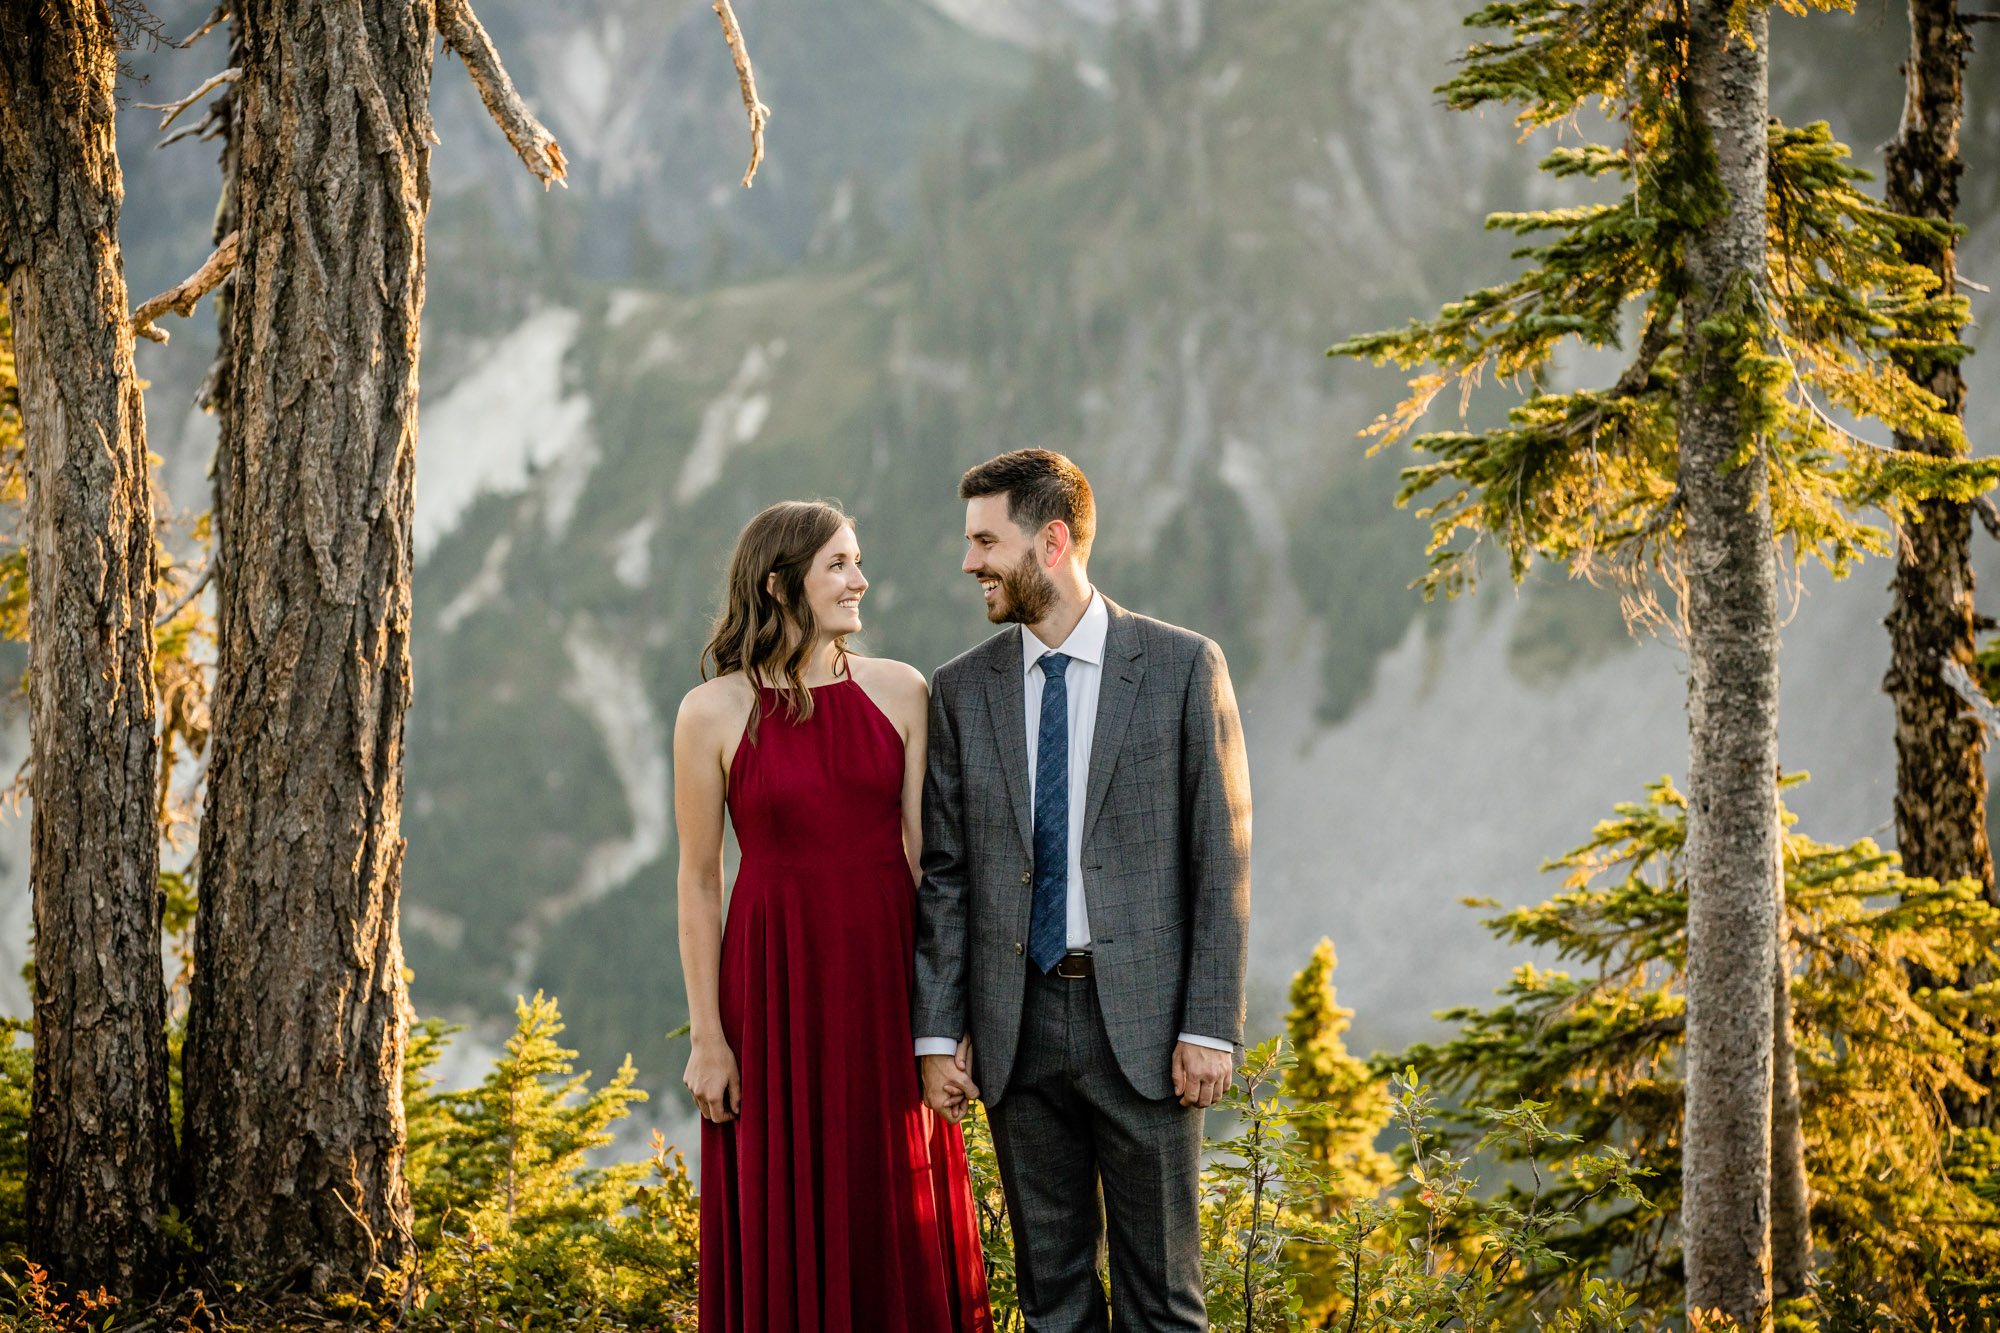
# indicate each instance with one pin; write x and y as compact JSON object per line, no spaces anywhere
{"x":1125,"y":231}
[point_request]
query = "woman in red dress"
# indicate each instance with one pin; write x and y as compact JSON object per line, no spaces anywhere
{"x":832,"y":1199}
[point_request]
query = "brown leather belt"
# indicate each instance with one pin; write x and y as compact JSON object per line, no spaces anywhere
{"x":1076,"y":965}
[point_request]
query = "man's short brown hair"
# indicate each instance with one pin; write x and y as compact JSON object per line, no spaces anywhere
{"x":1041,"y":486}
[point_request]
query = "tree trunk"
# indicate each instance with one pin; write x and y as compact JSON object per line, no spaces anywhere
{"x":299,"y":1011}
{"x":100,"y":1144}
{"x":1791,"y":1193}
{"x":1940,"y":746}
{"x":1728,"y":563}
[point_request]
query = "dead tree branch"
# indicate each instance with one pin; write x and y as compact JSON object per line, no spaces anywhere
{"x":1989,"y":515}
{"x":185,"y":598}
{"x":181,"y":297}
{"x":463,"y":33}
{"x":1965,"y":687}
{"x":747,"y":80}
{"x":174,"y":109}
{"x":215,"y":16}
{"x":208,"y":127}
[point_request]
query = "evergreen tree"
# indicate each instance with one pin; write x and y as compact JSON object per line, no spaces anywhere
{"x":512,"y":1151}
{"x":1603,"y":1053}
{"x":298,"y":1015}
{"x":1940,"y":745}
{"x":1353,"y":1106}
{"x":511,"y":1217}
{"x":1768,"y":282}
{"x":1349,"y":1110}
{"x":101,"y":1148}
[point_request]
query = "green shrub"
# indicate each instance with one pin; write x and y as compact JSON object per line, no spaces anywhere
{"x":1905,"y":1208}
{"x":514,"y":1227}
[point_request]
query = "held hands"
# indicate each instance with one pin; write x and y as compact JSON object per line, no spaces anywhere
{"x":712,"y":1078}
{"x":948,"y":1085}
{"x":1201,"y":1074}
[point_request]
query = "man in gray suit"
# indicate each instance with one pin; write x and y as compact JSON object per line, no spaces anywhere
{"x":1083,"y":917}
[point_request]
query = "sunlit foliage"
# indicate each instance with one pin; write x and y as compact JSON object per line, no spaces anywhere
{"x":1900,"y":1199}
{"x":1588,"y":476}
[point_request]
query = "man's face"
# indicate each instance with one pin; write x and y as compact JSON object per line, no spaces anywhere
{"x":1007,"y":563}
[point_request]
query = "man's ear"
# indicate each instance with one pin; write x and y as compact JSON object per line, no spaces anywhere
{"x":1056,"y":542}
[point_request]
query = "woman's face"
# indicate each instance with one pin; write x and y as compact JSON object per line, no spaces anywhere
{"x":835,"y":583}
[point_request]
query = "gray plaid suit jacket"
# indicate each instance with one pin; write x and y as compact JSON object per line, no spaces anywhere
{"x":1166,"y":851}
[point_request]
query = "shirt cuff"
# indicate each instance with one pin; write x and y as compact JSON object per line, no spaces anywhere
{"x":936,"y":1046}
{"x":1213,"y":1043}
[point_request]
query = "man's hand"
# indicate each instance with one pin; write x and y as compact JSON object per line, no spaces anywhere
{"x":948,"y":1085}
{"x":1200,"y":1074}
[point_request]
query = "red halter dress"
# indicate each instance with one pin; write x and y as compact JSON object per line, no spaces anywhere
{"x":836,"y":1202}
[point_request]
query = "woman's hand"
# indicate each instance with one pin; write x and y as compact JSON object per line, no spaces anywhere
{"x":712,"y":1078}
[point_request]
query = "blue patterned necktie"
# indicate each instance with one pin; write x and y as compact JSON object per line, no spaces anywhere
{"x":1048,"y":922}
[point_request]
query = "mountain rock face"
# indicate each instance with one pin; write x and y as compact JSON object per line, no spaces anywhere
{"x":1132,"y":247}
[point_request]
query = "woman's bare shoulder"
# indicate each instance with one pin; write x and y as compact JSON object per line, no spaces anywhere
{"x":717,"y":703}
{"x":888,"y":676}
{"x":897,"y":688}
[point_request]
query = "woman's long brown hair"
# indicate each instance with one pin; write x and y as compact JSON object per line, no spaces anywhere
{"x":770,"y":637}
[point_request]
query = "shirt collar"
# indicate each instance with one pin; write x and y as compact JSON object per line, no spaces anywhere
{"x":1084,"y":644}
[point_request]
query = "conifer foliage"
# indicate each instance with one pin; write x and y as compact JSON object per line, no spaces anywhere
{"x":1353,"y":1105}
{"x":1773,"y":292}
{"x":514,"y":1224}
{"x":1588,"y":476}
{"x":1903,"y":1210}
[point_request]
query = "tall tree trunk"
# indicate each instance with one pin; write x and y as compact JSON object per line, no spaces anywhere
{"x":299,"y":1012}
{"x":1728,"y":563}
{"x":1940,"y":747}
{"x":1791,"y":1192}
{"x":100,"y":1144}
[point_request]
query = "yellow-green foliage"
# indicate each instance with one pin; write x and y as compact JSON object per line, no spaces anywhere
{"x":513,"y":1222}
{"x":1354,"y":1105}
{"x":1353,"y":1111}
{"x":1899,"y":1198}
{"x":17,"y":1076}
{"x":1590,"y":475}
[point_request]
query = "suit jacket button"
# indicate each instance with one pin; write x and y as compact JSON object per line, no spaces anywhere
{"x":1027,"y":877}
{"x":1017,"y":946}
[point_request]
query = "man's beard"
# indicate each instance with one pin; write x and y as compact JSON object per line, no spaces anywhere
{"x":1026,"y":594}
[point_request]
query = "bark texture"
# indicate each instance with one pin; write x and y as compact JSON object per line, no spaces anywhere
{"x":100,"y":1144}
{"x":299,"y":1013}
{"x":1940,"y":746}
{"x":1731,"y":591}
{"x":1791,"y":1192}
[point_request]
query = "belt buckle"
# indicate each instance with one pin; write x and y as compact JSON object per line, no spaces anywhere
{"x":1076,"y":966}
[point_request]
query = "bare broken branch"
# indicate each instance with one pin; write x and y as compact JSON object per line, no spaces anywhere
{"x":1989,"y":515}
{"x":181,"y":297}
{"x":462,"y":32}
{"x":1969,"y":284}
{"x":215,"y":16}
{"x":166,"y":617}
{"x":208,"y":127}
{"x":747,"y":80}
{"x":1965,"y":687}
{"x":174,"y":109}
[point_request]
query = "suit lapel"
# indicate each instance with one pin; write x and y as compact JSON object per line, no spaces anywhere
{"x":1117,"y":692}
{"x":1006,"y":704}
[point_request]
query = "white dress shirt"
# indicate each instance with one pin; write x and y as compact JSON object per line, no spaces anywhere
{"x":1085,"y":649}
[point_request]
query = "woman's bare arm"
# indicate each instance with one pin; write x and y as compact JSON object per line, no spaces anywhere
{"x":915,"y":740}
{"x":699,"y":791}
